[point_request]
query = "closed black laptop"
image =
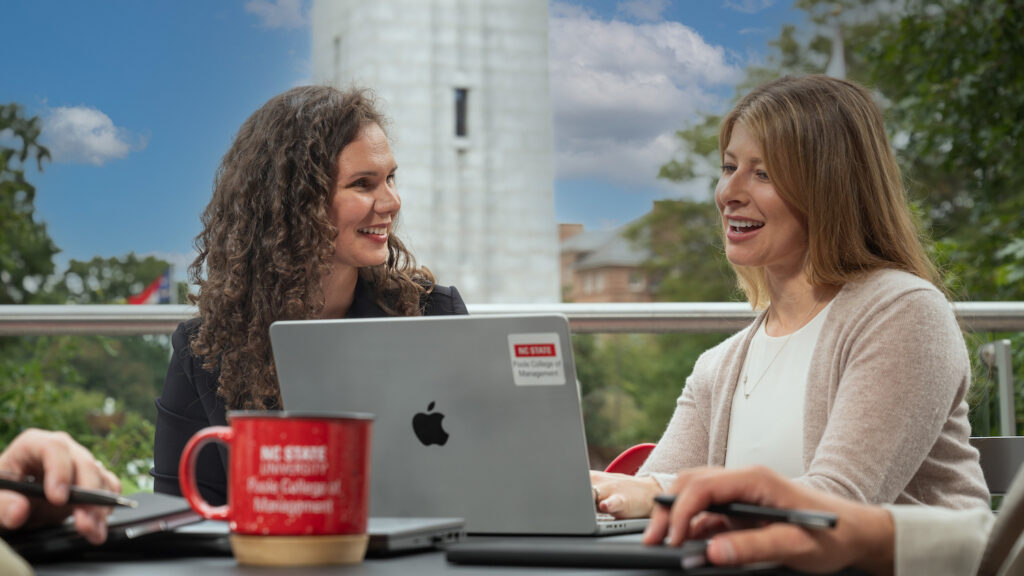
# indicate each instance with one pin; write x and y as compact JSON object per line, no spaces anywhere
{"x":577,"y":552}
{"x":156,"y":513}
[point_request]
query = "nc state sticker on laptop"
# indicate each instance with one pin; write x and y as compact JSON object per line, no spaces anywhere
{"x":536,"y":359}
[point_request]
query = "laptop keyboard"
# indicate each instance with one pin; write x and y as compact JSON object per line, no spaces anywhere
{"x":608,"y":524}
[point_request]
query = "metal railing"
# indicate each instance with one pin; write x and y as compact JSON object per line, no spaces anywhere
{"x":653,"y":317}
{"x":998,"y":355}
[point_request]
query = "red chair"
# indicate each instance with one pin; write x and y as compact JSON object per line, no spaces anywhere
{"x":630,"y":460}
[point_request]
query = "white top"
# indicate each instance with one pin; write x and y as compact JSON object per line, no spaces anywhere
{"x":766,"y":425}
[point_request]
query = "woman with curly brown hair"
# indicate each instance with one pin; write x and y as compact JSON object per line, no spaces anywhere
{"x":300,"y":226}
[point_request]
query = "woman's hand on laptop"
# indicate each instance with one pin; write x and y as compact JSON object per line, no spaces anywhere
{"x":622,"y":495}
{"x":59,"y":461}
{"x":863,"y":537}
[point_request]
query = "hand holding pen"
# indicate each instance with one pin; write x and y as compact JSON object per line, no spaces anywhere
{"x":77,"y":496}
{"x":862,"y":535}
{"x":810,"y":519}
{"x":60,"y":462}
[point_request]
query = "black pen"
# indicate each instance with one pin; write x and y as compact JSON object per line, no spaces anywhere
{"x":812,"y":519}
{"x":28,"y":486}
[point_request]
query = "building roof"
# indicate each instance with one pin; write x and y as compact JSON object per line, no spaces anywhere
{"x":587,"y":241}
{"x":604,"y":248}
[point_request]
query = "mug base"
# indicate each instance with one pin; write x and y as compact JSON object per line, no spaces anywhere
{"x":299,"y":550}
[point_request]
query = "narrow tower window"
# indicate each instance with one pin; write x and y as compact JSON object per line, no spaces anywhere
{"x":461,"y":103}
{"x":337,"y":60}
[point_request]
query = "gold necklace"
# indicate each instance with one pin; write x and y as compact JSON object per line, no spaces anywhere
{"x":746,"y":375}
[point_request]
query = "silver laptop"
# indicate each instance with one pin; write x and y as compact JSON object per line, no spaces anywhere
{"x":476,"y":416}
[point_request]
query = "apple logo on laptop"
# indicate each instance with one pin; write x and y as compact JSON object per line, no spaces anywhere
{"x":428,"y":427}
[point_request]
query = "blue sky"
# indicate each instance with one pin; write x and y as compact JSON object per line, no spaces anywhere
{"x":141,"y":99}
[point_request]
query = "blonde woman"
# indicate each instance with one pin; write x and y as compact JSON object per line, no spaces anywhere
{"x":853,"y":377}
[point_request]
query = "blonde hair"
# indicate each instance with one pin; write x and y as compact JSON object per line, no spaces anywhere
{"x":824,"y":145}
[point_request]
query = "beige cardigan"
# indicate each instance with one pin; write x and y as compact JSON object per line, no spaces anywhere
{"x":885,"y":415}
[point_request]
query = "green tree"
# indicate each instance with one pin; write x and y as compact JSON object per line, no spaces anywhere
{"x":106,"y":280}
{"x":687,"y":262}
{"x":953,"y":73}
{"x":128,"y":368}
{"x":41,"y":390}
{"x":26,"y":250}
{"x":700,"y":143}
{"x":629,"y":384}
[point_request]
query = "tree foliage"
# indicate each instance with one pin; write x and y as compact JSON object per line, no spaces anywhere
{"x":629,"y":384}
{"x":26,"y":250}
{"x":128,"y":368}
{"x":700,"y":141}
{"x":953,"y":73}
{"x":687,"y":262}
{"x":41,"y":389}
{"x":106,"y":280}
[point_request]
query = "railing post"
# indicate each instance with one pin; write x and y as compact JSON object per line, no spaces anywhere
{"x":997,"y":355}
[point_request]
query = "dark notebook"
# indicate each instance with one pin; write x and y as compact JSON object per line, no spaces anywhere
{"x":576,"y":552}
{"x":611,"y":552}
{"x":156,"y":513}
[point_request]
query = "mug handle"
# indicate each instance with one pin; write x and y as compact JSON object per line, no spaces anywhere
{"x":187,"y":470}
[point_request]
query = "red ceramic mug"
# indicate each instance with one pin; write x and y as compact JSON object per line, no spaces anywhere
{"x":298,"y":485}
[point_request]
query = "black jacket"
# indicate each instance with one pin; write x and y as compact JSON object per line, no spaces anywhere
{"x":189,"y":401}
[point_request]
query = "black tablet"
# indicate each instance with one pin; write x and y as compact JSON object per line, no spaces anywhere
{"x":576,"y":552}
{"x":155,"y":513}
{"x":612,"y":552}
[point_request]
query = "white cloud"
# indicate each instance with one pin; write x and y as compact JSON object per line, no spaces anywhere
{"x":748,"y":6}
{"x":279,"y":13}
{"x":620,"y":91}
{"x":645,"y":10}
{"x":632,"y":163}
{"x":86,"y":135}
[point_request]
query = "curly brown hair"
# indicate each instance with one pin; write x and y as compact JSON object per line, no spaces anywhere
{"x":268,"y":241}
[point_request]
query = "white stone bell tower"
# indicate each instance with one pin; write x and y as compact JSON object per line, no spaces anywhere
{"x":465,"y":83}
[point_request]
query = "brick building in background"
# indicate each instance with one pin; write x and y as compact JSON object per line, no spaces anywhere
{"x":601,"y":266}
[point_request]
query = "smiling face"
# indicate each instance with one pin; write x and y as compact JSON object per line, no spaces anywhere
{"x":365,"y":200}
{"x":761,"y":229}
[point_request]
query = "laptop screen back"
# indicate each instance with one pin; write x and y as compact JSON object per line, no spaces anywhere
{"x":475,"y":416}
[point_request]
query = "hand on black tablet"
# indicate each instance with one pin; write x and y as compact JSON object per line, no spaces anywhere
{"x":60,"y":462}
{"x":863,"y":537}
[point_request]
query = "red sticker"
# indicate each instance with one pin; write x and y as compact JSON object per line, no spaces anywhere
{"x":533,"y":350}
